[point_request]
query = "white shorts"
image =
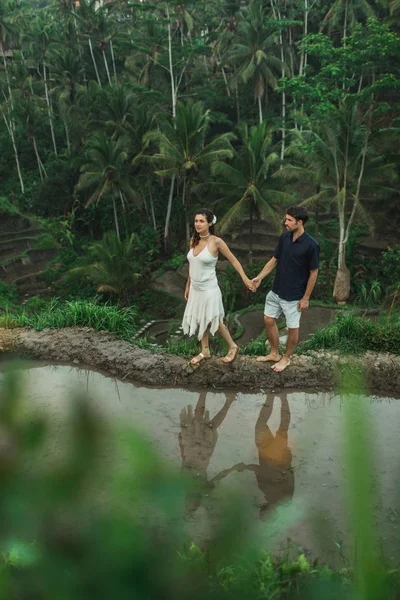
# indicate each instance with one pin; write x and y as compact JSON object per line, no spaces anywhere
{"x":275,"y":306}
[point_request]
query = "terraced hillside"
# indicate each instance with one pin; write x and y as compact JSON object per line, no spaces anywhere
{"x":25,"y":252}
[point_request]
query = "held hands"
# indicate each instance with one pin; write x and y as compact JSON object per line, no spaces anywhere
{"x":249,"y":284}
{"x":256,"y":281}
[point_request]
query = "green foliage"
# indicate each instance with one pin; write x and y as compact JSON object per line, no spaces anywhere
{"x":45,"y":242}
{"x":101,"y":317}
{"x":391,"y":266}
{"x":7,"y":208}
{"x":116,"y":265}
{"x":250,"y":182}
{"x":370,"y":295}
{"x":350,"y":334}
{"x":8,"y":295}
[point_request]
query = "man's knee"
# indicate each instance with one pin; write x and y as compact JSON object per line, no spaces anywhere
{"x":269,"y":321}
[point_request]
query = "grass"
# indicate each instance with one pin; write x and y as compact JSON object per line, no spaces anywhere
{"x":101,"y":317}
{"x":347,"y":334}
{"x":350,"y":334}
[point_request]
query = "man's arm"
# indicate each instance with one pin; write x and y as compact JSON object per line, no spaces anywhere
{"x":268,"y":268}
{"x":304,"y":302}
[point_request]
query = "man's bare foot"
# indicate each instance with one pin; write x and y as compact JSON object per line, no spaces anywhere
{"x":281,"y":365}
{"x":270,"y":357}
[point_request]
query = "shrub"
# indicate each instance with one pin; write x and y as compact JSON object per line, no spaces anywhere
{"x":354,"y":335}
{"x":101,"y":317}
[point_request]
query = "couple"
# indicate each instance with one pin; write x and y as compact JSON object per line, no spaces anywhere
{"x":296,"y":259}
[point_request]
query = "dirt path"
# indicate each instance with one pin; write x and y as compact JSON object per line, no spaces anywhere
{"x":102,"y":351}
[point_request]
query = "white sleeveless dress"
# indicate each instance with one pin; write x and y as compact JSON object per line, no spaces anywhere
{"x":204,"y":306}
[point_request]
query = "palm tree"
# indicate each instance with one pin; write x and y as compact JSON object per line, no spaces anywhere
{"x":340,"y":156}
{"x":347,"y":13}
{"x":114,"y":264}
{"x":37,"y":39}
{"x":253,"y":53}
{"x":27,"y":111}
{"x":108,"y":173}
{"x":183,"y":150}
{"x":250,"y":181}
{"x":66,"y":79}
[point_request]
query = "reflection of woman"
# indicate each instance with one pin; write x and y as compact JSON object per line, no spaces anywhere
{"x":197,"y":441}
{"x":204,"y":309}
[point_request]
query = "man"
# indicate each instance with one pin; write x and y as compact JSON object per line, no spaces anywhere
{"x":296,"y":259}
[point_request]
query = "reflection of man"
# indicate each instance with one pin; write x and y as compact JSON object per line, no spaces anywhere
{"x":274,"y":474}
{"x":296,"y":259}
{"x":197,"y":441}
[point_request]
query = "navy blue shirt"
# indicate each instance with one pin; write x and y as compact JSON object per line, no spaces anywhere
{"x":295,"y":261}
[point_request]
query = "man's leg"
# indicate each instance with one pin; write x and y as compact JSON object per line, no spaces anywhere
{"x":272,"y":310}
{"x":292,"y":314}
{"x":273,"y":338}
{"x":293,"y":338}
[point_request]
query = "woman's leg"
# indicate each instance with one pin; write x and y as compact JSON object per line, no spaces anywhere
{"x":233,"y":348}
{"x":205,"y":350}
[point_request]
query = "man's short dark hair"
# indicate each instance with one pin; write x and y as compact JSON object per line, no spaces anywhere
{"x":298,"y":213}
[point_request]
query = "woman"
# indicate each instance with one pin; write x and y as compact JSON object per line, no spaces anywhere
{"x":204,"y":309}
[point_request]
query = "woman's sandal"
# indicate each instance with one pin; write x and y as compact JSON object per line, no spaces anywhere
{"x":230,"y":355}
{"x":197,"y":359}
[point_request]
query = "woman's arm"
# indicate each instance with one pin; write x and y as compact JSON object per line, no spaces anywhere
{"x":186,"y":294}
{"x":223,"y":248}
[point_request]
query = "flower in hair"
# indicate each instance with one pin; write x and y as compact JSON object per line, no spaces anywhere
{"x":214,"y":220}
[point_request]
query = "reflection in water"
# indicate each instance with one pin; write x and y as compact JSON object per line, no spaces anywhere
{"x":198,"y":438}
{"x":275,"y":477}
{"x":197,"y":441}
{"x":274,"y":474}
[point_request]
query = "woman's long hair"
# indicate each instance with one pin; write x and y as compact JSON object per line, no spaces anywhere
{"x":195,"y":239}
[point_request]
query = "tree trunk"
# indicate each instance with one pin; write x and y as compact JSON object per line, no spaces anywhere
{"x":116,"y":219}
{"x":171,"y":69}
{"x":67,"y":137}
{"x":317,"y":215}
{"x":153,"y":216}
{"x":107,"y":69}
{"x":7,"y":76}
{"x":260,"y":115}
{"x":277,"y":15}
{"x":341,"y":288}
{"x":11,"y":133}
{"x":169,"y":208}
{"x":185,"y":208}
{"x":113,"y":61}
{"x":94,"y":62}
{"x":346,"y":10}
{"x":49,"y":110}
{"x":42,"y":170}
{"x":251,"y":233}
{"x":237,"y":102}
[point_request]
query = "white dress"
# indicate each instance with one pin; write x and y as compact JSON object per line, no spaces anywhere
{"x":204,"y":306}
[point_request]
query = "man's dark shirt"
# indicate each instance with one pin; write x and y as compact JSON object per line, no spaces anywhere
{"x":295,"y":261}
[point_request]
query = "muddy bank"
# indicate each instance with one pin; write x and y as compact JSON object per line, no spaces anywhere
{"x":102,"y":351}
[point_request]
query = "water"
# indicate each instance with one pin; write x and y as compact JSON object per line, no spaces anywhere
{"x":281,"y":451}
